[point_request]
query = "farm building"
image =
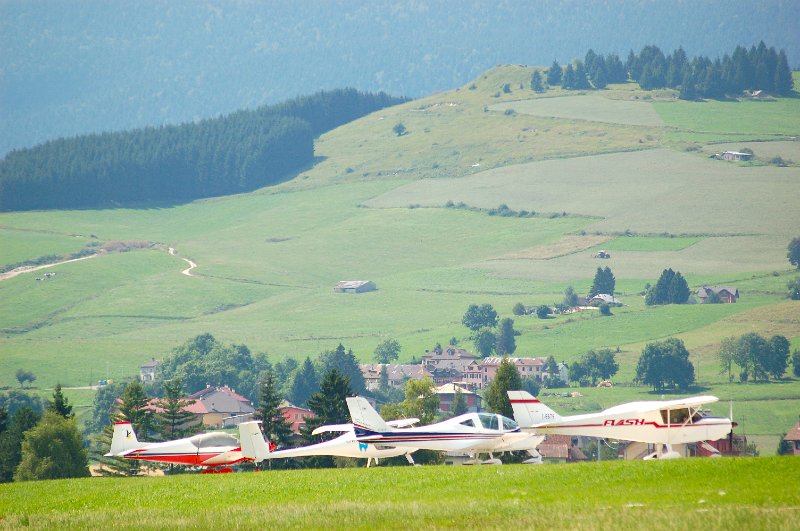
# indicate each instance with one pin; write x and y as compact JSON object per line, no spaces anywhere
{"x":736,"y":155}
{"x":726,"y":294}
{"x":601,"y":298}
{"x":354,"y":286}
{"x":793,"y":438}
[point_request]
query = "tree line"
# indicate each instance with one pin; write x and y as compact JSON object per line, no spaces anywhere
{"x":757,"y":68}
{"x":230,"y":154}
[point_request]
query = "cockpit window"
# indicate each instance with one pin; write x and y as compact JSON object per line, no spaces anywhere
{"x":468,"y":423}
{"x":509,"y":424}
{"x":207,"y":440}
{"x":678,"y":416}
{"x":488,"y":421}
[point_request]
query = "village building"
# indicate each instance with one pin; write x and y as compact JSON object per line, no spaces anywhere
{"x":398,"y":374}
{"x":147,"y":372}
{"x":793,"y":438}
{"x":295,"y":415}
{"x":354,"y":286}
{"x":449,"y":357}
{"x":447,"y":396}
{"x":220,"y":406}
{"x":726,"y":294}
{"x":527,"y":367}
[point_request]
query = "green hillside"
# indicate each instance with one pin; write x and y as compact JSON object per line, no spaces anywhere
{"x":376,"y":207}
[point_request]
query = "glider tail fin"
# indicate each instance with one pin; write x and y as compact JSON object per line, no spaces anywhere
{"x":364,"y":416}
{"x":529,"y":411}
{"x":252,"y":441}
{"x":124,"y":439}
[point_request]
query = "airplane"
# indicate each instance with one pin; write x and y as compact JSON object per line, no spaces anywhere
{"x":345,"y":445}
{"x":658,"y":422}
{"x":473,"y":433}
{"x":210,"y":450}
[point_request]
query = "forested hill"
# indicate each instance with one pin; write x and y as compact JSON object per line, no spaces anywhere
{"x":231,"y":154}
{"x":70,"y":68}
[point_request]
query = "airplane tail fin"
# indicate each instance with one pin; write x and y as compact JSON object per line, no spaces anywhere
{"x":529,"y":411}
{"x":124,"y":440}
{"x":252,"y":441}
{"x":364,"y":415}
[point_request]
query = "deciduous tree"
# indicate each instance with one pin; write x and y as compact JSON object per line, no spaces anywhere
{"x":477,"y":317}
{"x":53,"y":449}
{"x":665,"y":365}
{"x":387,"y":351}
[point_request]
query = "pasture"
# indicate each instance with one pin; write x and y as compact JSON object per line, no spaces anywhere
{"x":703,"y":493}
{"x":593,"y":108}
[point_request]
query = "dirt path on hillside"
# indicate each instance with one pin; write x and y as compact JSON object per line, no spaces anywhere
{"x":188,"y":270}
{"x":30,"y":269}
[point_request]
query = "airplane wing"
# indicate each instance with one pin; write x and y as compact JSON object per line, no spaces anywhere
{"x":402,"y":423}
{"x":335,"y":428}
{"x":657,"y":405}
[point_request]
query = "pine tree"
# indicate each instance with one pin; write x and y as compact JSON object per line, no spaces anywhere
{"x":304,"y":383}
{"x":783,"y":76}
{"x":11,"y":439}
{"x":60,"y":404}
{"x":604,"y":282}
{"x":536,"y":82}
{"x":554,"y":74}
{"x":345,"y":361}
{"x":276,"y":428}
{"x":330,"y":407}
{"x":173,"y":421}
{"x":678,"y":289}
{"x":505,"y":343}
{"x":568,"y":79}
{"x":133,"y":407}
{"x":506,"y":379}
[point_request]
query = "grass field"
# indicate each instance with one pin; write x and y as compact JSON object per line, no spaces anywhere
{"x":593,"y":108}
{"x":708,"y":494}
{"x":373,"y":208}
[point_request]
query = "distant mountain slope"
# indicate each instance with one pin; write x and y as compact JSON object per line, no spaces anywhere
{"x":231,"y":154}
{"x":70,"y":68}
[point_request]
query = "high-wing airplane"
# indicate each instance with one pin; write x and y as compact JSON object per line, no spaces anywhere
{"x":345,"y":445}
{"x":658,"y":422}
{"x":214,"y":449}
{"x":474,"y":433}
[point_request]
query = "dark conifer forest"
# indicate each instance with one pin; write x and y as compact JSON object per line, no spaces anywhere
{"x":231,"y":154}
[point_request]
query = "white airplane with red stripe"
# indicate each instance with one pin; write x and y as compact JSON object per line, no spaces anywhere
{"x":473,"y":433}
{"x":659,"y":422}
{"x":213,"y":449}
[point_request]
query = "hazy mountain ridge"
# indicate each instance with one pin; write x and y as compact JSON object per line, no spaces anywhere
{"x":71,"y":68}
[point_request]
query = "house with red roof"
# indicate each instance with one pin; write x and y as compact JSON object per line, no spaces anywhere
{"x":216,"y":404}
